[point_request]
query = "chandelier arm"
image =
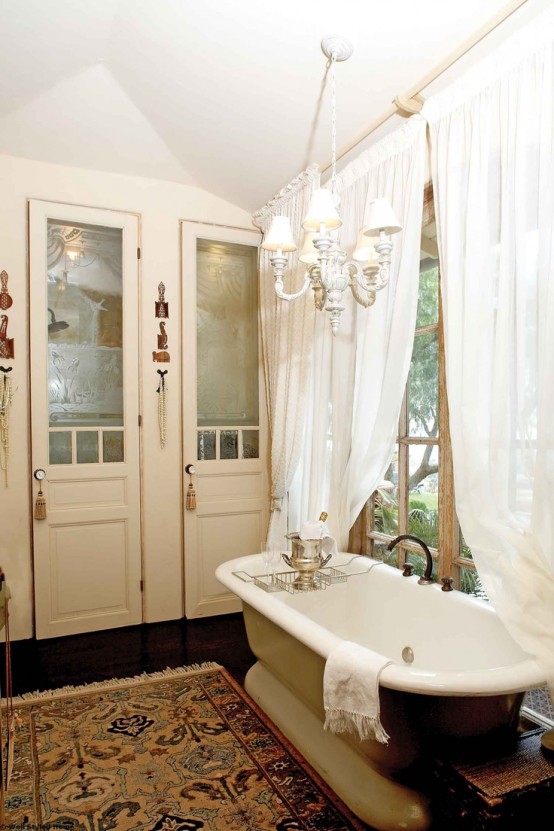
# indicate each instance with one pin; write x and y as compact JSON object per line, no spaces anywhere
{"x":357,"y":276}
{"x":284,"y":296}
{"x":279,"y":261}
{"x":361,"y":279}
{"x":366,"y":300}
{"x":379,"y":280}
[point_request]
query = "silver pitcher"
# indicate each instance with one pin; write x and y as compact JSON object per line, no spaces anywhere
{"x":306,"y":559}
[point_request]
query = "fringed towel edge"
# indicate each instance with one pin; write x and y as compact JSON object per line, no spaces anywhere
{"x":367,"y":727}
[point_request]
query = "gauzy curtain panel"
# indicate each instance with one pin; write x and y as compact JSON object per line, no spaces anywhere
{"x":383,"y":334}
{"x":287,"y":340}
{"x":358,"y":377}
{"x":492,"y":149}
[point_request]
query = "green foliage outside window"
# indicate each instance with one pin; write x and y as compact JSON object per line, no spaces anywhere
{"x":423,"y":423}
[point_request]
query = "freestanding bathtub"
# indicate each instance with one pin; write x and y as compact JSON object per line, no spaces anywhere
{"x":462,"y":676}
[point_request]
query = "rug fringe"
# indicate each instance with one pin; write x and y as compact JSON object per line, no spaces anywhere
{"x":168,"y":672}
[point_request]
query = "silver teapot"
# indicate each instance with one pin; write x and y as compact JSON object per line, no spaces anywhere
{"x":306,"y":559}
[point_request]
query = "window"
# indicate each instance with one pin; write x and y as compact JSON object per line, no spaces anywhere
{"x":417,"y":493}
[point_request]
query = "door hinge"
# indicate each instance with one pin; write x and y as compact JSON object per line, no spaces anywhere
{"x":138,"y":253}
{"x":140,"y":420}
{"x":142,"y":585}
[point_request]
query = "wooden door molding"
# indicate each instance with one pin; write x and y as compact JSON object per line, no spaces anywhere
{"x":232,"y":497}
{"x":87,"y":554}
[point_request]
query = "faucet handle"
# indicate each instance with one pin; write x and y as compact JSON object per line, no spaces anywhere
{"x":447,"y":584}
{"x":408,"y":570}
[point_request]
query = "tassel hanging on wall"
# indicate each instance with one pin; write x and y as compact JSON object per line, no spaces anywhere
{"x":40,"y":505}
{"x":190,"y":502}
{"x":191,"y":498}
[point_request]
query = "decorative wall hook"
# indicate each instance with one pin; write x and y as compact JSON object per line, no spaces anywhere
{"x":161,"y":305}
{"x":6,"y":343}
{"x":162,"y":337}
{"x":161,"y":357}
{"x":5,"y":299}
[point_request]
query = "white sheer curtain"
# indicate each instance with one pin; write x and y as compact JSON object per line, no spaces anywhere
{"x":287,"y":339}
{"x":492,"y":147}
{"x":359,"y":376}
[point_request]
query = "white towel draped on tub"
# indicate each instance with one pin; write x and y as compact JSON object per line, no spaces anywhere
{"x":351,"y":691}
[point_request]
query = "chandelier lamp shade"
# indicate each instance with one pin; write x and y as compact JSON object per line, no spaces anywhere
{"x":328,"y":271}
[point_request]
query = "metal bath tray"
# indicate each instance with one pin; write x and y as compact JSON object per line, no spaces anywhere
{"x":292,"y":581}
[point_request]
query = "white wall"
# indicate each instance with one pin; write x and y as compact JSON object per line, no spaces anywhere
{"x":161,"y":206}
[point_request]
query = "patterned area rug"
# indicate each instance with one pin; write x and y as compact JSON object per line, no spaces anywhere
{"x":182,"y":750}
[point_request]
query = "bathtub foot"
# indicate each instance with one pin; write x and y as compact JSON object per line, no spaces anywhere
{"x":382,"y":803}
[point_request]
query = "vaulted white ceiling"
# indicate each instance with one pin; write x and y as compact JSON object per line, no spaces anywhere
{"x":228,"y":95}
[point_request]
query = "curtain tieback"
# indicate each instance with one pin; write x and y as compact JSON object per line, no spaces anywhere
{"x":276,"y":503}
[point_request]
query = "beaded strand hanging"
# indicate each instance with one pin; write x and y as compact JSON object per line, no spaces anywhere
{"x":6,"y":396}
{"x":162,"y":407}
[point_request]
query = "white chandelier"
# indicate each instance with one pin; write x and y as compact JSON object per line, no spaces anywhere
{"x":329,"y":272}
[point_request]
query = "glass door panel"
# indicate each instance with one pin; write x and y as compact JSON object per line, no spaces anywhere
{"x":227,"y":350}
{"x":85,"y":340}
{"x":227,"y":334}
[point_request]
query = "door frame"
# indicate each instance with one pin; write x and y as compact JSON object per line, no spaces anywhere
{"x":140,"y":447}
{"x":219,"y":233}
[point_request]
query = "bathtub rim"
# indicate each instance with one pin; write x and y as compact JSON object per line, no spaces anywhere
{"x":483,"y":682}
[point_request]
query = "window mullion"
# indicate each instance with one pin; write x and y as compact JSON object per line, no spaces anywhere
{"x":449,"y":531}
{"x":403,"y":473}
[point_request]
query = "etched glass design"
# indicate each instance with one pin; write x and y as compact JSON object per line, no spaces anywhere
{"x":113,"y":446}
{"x":206,"y":445}
{"x":229,"y":444}
{"x":227,"y":334}
{"x":250,"y":444}
{"x":87,"y":446}
{"x":59,"y":448}
{"x":85,"y":324}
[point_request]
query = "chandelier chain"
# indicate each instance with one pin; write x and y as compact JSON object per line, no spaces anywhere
{"x":333,"y":123}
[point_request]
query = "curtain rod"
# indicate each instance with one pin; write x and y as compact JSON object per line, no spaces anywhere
{"x":411,"y":102}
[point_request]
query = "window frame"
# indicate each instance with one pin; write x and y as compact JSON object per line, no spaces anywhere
{"x":447,"y":555}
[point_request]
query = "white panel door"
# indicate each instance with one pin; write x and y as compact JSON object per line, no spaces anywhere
{"x":83,"y":266}
{"x":224,"y":416}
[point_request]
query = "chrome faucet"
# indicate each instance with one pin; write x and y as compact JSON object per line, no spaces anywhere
{"x":426,"y":580}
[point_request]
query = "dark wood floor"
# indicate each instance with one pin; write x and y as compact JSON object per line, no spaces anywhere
{"x":120,"y":653}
